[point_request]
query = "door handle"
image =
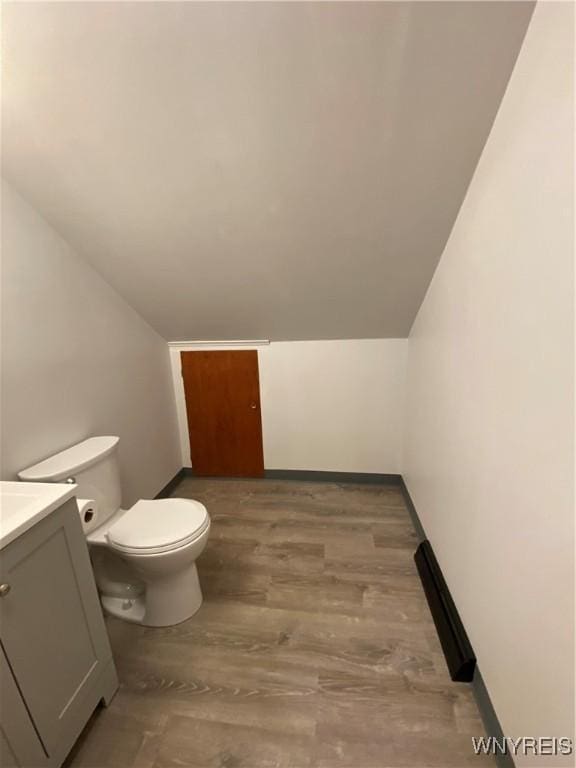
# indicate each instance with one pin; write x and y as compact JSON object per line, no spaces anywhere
{"x":253,"y":406}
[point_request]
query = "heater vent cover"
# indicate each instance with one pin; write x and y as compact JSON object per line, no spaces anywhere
{"x":455,"y":644}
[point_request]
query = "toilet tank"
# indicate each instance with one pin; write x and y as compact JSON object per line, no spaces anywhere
{"x":92,"y":465}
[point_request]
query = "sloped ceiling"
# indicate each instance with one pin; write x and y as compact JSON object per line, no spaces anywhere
{"x":256,"y":170}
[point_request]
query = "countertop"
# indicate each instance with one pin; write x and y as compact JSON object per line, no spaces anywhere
{"x":22,"y":505}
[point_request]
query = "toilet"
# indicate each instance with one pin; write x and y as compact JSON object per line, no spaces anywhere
{"x":144,"y":557}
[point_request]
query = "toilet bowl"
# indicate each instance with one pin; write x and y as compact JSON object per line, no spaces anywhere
{"x":159,"y":541}
{"x":144,"y":557}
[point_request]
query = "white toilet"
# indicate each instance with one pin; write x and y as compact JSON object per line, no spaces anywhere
{"x":143,"y":557}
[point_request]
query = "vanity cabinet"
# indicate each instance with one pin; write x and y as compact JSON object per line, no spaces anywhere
{"x":56,"y":663}
{"x":17,"y":735}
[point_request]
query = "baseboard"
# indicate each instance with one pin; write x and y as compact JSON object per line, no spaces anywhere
{"x":412,"y":512}
{"x":481,"y":695}
{"x":368,"y":478}
{"x":490,"y":718}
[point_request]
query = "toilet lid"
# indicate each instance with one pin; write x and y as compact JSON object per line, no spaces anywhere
{"x":163,"y":523}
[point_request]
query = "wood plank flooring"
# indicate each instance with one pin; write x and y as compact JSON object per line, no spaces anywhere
{"x":314,"y":647}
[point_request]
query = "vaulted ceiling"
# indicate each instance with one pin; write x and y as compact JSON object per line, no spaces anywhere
{"x":256,"y":170}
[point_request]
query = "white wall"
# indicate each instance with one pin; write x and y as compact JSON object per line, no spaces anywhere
{"x":77,"y":360}
{"x":326,"y":405}
{"x":489,"y":442}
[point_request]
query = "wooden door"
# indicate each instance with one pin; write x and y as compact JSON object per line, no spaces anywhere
{"x":223,"y":405}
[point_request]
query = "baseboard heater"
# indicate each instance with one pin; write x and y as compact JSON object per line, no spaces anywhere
{"x":455,"y":644}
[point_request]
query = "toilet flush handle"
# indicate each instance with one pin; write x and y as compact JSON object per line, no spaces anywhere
{"x":70,"y":480}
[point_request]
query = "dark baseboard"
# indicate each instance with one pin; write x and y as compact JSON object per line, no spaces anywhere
{"x":369,"y":478}
{"x":483,"y":701}
{"x":412,"y":511}
{"x":171,"y":486}
{"x":489,"y":718}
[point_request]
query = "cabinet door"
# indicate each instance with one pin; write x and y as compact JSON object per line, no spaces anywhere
{"x":51,"y":623}
{"x":19,"y":742}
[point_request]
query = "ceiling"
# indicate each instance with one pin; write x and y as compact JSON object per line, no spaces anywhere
{"x":256,"y":170}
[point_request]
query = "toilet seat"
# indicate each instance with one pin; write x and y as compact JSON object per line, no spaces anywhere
{"x":162,"y":525}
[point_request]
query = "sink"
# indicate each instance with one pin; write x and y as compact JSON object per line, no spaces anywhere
{"x":14,"y":503}
{"x":22,"y":505}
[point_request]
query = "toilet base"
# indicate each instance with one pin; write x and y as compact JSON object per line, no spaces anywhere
{"x":122,"y":608}
{"x":172,"y":599}
{"x":167,"y":601}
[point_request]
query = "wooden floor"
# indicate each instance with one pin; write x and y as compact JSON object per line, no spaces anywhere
{"x":314,"y":645}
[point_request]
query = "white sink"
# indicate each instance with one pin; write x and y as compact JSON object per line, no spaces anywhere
{"x":22,"y":505}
